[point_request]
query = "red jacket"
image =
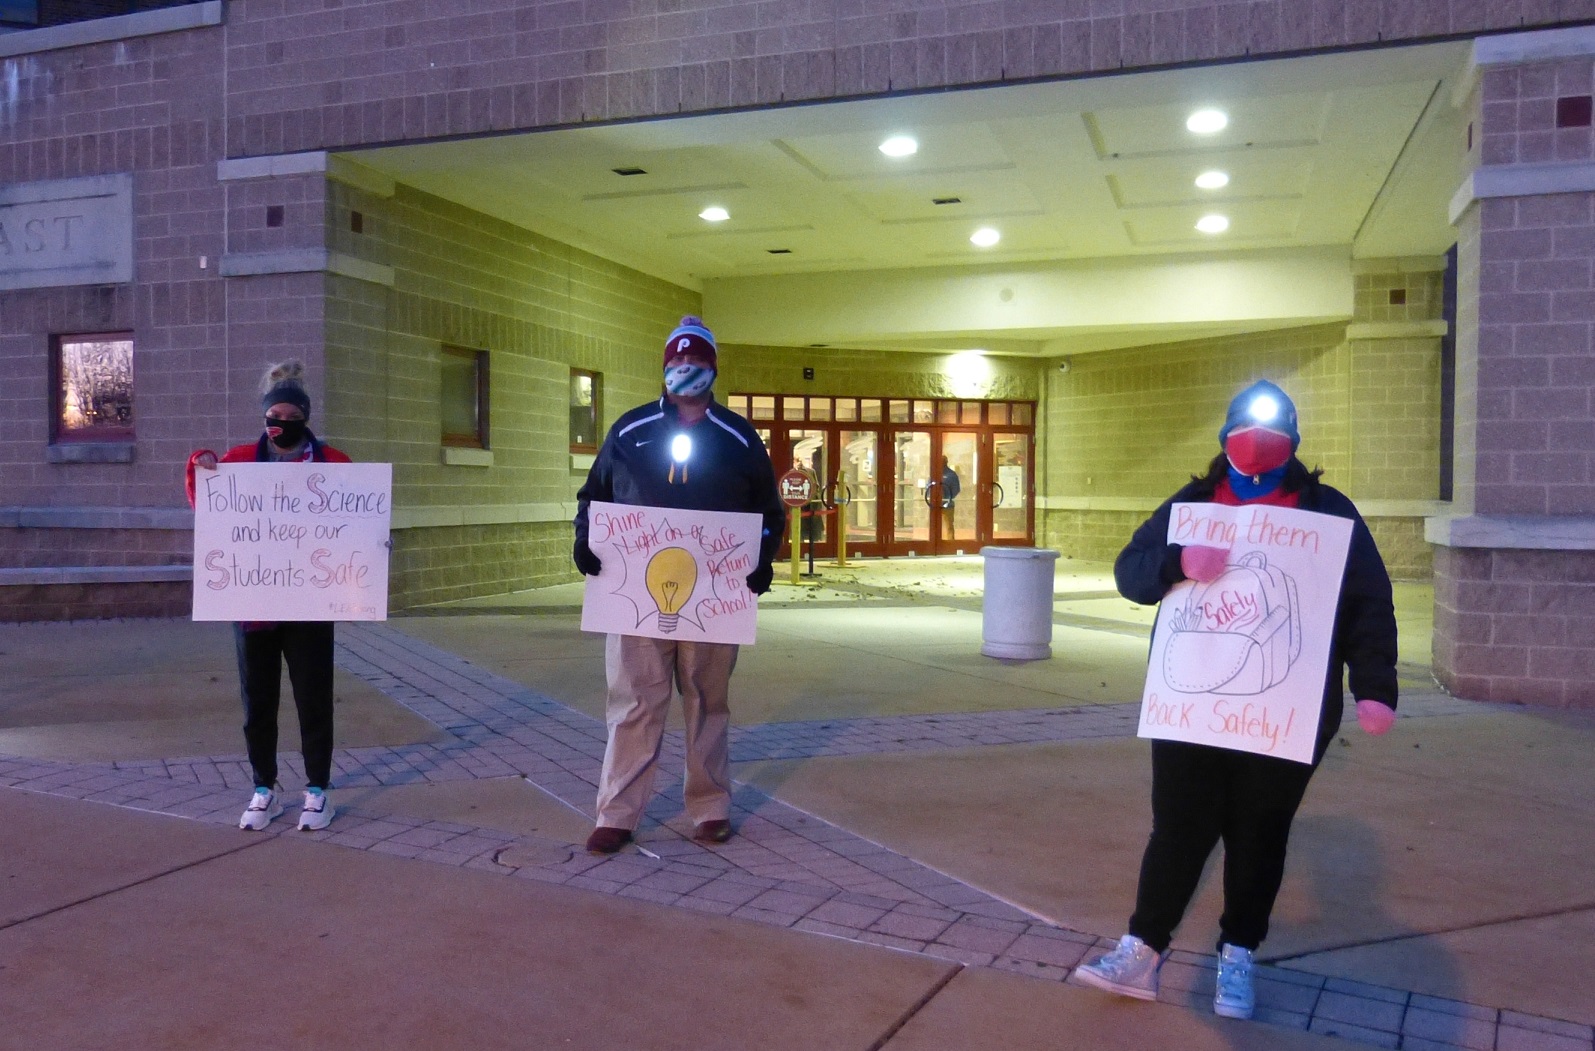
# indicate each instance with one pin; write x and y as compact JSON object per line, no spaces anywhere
{"x":256,"y":452}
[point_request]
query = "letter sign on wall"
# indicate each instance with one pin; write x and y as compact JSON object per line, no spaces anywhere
{"x":67,"y":232}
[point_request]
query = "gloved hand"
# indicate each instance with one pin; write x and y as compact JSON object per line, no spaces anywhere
{"x":1203,"y":563}
{"x":1375,"y":717}
{"x":585,"y":560}
{"x":759,"y":579}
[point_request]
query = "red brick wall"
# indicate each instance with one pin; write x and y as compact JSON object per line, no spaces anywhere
{"x":1516,"y":625}
{"x":146,"y":105}
{"x":373,"y":71}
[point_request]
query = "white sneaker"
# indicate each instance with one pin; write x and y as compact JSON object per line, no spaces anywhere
{"x":1234,"y":996}
{"x":1129,"y":970}
{"x":263,"y":806}
{"x":317,"y":813}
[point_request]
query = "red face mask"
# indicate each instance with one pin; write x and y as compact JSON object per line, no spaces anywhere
{"x":1257,"y":450}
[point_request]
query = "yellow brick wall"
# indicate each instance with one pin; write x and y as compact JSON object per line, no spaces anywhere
{"x":539,"y":308}
{"x":867,"y":373}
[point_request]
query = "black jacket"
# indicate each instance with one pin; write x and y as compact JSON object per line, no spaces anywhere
{"x":1364,"y":639}
{"x":729,"y":469}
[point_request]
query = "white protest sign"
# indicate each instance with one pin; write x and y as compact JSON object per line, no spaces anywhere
{"x":1240,"y":661}
{"x":292,"y":541}
{"x":672,"y":574}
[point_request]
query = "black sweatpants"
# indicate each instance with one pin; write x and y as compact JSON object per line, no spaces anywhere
{"x":1201,"y":795}
{"x":306,"y":646}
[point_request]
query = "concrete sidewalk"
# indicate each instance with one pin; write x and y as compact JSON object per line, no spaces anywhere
{"x":929,"y":842}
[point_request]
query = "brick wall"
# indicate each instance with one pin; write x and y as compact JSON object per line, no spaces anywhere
{"x":864,"y":373}
{"x":146,"y":105}
{"x":539,"y":308}
{"x":388,"y":70}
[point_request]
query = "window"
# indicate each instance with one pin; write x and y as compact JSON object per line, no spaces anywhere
{"x":465,"y":398}
{"x":92,"y":386}
{"x":586,"y":410}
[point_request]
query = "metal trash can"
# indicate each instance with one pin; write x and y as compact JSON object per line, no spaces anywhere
{"x":1017,"y":609}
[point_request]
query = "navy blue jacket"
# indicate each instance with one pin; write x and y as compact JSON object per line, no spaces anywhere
{"x":729,"y":469}
{"x":1364,"y":640}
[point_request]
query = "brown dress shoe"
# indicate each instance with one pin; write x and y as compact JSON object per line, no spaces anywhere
{"x":606,"y":840}
{"x":712,"y":832}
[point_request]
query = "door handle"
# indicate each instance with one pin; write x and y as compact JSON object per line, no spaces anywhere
{"x":998,"y":492}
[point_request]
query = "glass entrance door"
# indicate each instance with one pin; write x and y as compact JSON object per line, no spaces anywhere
{"x":855,"y":490}
{"x":913,"y":493}
{"x":960,"y":487}
{"x":1012,"y":513}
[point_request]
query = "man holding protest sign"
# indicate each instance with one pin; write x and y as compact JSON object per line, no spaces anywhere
{"x":1237,"y":644}
{"x":264,"y":645}
{"x":683,"y":451}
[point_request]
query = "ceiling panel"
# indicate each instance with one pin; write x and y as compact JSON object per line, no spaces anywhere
{"x":1256,"y":121}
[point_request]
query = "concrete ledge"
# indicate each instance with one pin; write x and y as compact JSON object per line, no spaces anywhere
{"x":115,"y":27}
{"x":94,"y":575}
{"x":1407,"y":264}
{"x":1396,"y":330}
{"x":89,"y":452}
{"x":456,"y":457}
{"x":96,"y":518}
{"x":341,"y":169}
{"x":1522,"y":180}
{"x":511,"y":514}
{"x":1513,"y":532}
{"x":582,"y":462}
{"x":305,"y":261}
{"x":1146,"y":505}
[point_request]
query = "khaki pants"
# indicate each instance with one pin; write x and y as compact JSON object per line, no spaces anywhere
{"x":643,"y":674}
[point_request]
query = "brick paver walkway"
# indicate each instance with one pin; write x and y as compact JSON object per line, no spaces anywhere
{"x":785,"y":867}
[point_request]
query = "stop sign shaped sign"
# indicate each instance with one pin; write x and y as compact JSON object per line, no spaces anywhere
{"x":797,"y":488}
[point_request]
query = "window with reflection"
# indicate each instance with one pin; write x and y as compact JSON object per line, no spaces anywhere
{"x":92,"y":383}
{"x":586,"y":410}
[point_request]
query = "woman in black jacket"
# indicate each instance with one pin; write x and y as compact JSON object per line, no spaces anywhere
{"x":1202,"y":794}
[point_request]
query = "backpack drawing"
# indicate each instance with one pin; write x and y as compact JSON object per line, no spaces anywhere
{"x":1238,"y":634}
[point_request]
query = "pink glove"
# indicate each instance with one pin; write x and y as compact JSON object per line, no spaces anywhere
{"x":1203,"y":563}
{"x":1375,"y":717}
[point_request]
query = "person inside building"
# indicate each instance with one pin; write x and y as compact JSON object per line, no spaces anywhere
{"x":688,"y":451}
{"x":949,"y":494}
{"x":263,"y":646}
{"x":1203,"y":795}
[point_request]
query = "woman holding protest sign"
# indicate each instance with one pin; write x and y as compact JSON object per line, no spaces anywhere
{"x":264,"y":645}
{"x":1203,"y":794}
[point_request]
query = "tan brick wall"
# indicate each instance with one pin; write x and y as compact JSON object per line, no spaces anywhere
{"x":1140,"y":422}
{"x":539,"y":308}
{"x":864,"y":373}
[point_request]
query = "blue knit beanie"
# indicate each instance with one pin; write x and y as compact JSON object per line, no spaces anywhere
{"x":1262,"y":405}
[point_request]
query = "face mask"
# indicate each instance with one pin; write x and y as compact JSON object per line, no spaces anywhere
{"x":1257,"y":450}
{"x":293,"y":432}
{"x":687,"y":380}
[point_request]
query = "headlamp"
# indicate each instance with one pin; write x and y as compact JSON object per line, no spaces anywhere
{"x":1264,"y":408}
{"x":680,"y":448}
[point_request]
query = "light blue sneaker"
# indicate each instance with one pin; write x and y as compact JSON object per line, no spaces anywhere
{"x":1234,"y":996}
{"x":1129,"y":970}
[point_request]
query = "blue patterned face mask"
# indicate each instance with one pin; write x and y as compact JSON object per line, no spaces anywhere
{"x":687,"y":380}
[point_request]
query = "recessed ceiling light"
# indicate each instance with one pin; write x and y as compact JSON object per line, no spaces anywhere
{"x":900,"y":146}
{"x":1213,"y":180}
{"x":1207,"y":121}
{"x":714,"y":214}
{"x":984,"y":237}
{"x":1213,"y":224}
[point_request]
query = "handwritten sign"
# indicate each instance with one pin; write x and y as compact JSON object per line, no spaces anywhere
{"x":1240,"y":661}
{"x":672,"y":574}
{"x":292,"y":541}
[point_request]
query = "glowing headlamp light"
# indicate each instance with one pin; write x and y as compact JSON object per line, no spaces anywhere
{"x":1264,"y":408}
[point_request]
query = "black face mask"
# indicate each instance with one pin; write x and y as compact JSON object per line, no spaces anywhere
{"x":293,"y":432}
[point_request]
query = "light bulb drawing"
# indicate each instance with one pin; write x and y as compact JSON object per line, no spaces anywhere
{"x":671,"y":576}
